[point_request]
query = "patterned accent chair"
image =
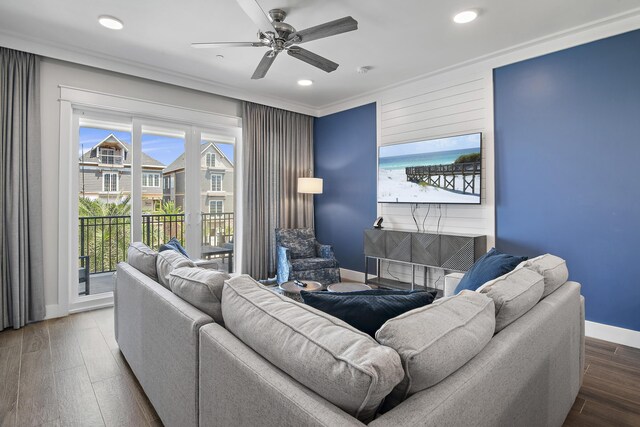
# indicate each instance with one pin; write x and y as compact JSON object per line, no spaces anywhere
{"x":301,"y":257}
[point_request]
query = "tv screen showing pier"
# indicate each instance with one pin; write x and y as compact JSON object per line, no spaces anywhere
{"x":445,"y":170}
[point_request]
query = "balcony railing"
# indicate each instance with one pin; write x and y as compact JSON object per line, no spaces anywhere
{"x":105,"y":239}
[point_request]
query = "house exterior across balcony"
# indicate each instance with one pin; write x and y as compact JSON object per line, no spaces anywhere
{"x":216,"y":180}
{"x":105,"y":174}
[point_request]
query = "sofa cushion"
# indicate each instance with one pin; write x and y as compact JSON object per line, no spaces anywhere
{"x":367,"y":310}
{"x":343,"y":365}
{"x":513,"y":294}
{"x":552,"y":268}
{"x":436,"y":340}
{"x":142,"y":258}
{"x":489,"y":266}
{"x":303,"y":264}
{"x":201,"y":288}
{"x":167,"y":262}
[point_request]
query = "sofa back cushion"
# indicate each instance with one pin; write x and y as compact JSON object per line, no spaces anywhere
{"x":552,"y":268}
{"x":513,"y":294}
{"x":341,"y":364}
{"x":168,"y":261}
{"x":142,"y":258}
{"x":436,"y":340}
{"x":201,"y":288}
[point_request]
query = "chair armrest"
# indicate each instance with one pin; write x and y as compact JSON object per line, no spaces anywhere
{"x":284,"y":264}
{"x":324,"y":251}
{"x":207,"y":263}
{"x":451,"y":282}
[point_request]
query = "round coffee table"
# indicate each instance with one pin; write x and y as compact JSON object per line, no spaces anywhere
{"x":348,"y":287}
{"x":291,"y":290}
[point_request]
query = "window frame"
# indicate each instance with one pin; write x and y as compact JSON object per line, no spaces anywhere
{"x":117,"y":175}
{"x":218,"y":203}
{"x":211,"y":160}
{"x":150,"y":177}
{"x":211,"y":179}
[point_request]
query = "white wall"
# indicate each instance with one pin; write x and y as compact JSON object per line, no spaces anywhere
{"x":55,"y":73}
{"x":451,"y":104}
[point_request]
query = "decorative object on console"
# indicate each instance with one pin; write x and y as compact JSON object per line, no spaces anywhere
{"x":377,"y":224}
{"x":301,"y":257}
{"x":491,"y":265}
{"x":310,"y":185}
{"x":368,"y":310}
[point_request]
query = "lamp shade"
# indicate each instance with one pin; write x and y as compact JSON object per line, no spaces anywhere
{"x":310,"y":185}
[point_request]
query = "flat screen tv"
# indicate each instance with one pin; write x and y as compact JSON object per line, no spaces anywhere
{"x":441,"y":171}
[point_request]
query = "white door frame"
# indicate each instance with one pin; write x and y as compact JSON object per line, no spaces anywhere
{"x":139,"y":112}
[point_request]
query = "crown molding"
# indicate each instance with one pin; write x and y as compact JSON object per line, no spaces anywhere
{"x":138,"y":69}
{"x":586,"y":33}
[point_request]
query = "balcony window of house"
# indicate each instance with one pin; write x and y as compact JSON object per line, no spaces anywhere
{"x":110,"y":182}
{"x":150,"y":180}
{"x":216,"y":206}
{"x":108,"y":156}
{"x":216,"y":182}
{"x":211,"y":160}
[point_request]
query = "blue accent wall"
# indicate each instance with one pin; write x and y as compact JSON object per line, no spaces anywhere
{"x":567,"y":147}
{"x":345,"y":157}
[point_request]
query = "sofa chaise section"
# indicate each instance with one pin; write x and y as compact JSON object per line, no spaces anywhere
{"x":157,"y":333}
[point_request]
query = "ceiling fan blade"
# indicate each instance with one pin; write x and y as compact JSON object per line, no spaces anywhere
{"x":226,"y":44}
{"x":327,"y":29}
{"x":313,"y":59}
{"x":264,"y":65}
{"x":257,"y":15}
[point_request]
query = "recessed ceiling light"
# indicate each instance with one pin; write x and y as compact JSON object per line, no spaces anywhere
{"x":305,"y":82}
{"x":110,"y":22}
{"x":465,"y":17}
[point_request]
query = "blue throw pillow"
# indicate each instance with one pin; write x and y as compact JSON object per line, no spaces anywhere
{"x":489,"y":266}
{"x":367,"y":310}
{"x":173,"y":244}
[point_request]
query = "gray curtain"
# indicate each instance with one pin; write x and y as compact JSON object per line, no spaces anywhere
{"x":277,"y":150}
{"x":21,"y":257}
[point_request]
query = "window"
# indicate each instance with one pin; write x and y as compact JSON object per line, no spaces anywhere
{"x":151,"y":180}
{"x":216,"y":206}
{"x":211,"y":160}
{"x":108,"y":156}
{"x":110,"y":182}
{"x":216,"y":182}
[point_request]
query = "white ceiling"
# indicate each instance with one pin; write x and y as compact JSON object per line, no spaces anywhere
{"x":399,"y":40}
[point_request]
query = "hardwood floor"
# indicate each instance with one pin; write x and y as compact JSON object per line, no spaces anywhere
{"x":70,"y":372}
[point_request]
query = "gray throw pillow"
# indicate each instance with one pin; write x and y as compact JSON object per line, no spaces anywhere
{"x":343,"y":365}
{"x":168,"y":261}
{"x":201,"y":288}
{"x":436,"y":340}
{"x":142,"y":258}
{"x":552,"y":268}
{"x":513,"y":294}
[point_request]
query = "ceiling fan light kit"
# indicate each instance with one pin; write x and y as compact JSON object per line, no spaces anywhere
{"x":279,"y":36}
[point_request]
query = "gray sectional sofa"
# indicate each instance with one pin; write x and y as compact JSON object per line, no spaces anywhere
{"x":275,"y":362}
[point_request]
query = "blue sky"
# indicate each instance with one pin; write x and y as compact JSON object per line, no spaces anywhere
{"x":432,"y":146}
{"x":162,"y":148}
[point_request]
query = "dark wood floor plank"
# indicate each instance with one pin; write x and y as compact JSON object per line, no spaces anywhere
{"x":610,"y":394}
{"x":37,"y":402}
{"x":118,"y":404}
{"x":609,"y":416}
{"x":97,"y":355}
{"x":77,"y":403}
{"x":9,"y":379}
{"x":11,"y":337}
{"x":35,"y":337}
{"x":624,"y":377}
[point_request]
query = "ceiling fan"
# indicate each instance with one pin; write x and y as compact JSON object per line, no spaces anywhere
{"x":278,"y":36}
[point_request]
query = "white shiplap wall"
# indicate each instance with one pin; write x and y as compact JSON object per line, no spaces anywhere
{"x":451,"y":104}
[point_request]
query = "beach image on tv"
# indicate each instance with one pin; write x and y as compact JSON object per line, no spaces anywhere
{"x":445,"y":170}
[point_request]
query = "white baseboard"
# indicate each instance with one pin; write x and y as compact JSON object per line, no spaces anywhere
{"x":54,"y":310}
{"x":613,"y":334}
{"x":356,"y":276}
